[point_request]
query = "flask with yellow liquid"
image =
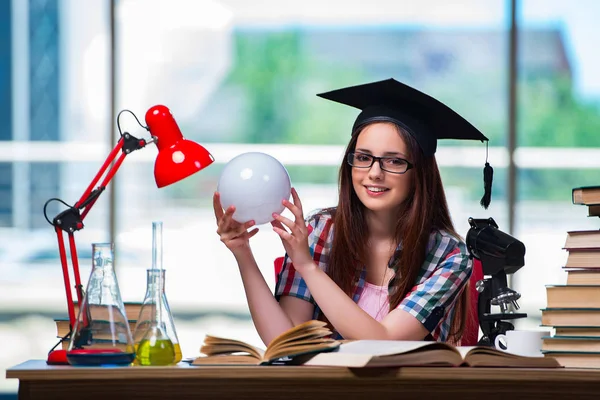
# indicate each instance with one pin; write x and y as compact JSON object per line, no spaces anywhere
{"x":154,"y":336}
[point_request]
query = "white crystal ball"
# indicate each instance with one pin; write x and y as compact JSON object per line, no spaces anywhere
{"x":256,"y":184}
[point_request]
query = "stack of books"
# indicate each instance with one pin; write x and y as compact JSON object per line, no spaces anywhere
{"x":132,"y":311}
{"x":588,"y":196}
{"x":573,"y":309}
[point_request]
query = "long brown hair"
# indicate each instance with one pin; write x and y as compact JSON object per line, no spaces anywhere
{"x":424,"y":211}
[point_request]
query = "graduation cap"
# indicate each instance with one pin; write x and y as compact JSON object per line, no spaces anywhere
{"x":425,"y":118}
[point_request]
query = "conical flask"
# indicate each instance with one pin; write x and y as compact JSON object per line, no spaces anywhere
{"x":101,"y":335}
{"x":155,"y":282}
{"x":156,"y":342}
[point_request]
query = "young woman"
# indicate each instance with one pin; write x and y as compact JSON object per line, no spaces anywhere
{"x":386,"y":263}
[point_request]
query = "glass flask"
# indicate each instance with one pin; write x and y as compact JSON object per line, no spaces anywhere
{"x":155,"y":291}
{"x":155,"y":340}
{"x":101,"y":335}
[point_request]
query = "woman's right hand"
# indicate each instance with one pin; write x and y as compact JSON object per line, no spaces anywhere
{"x":233,"y":234}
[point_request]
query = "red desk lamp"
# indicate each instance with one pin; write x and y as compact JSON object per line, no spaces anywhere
{"x":177,"y":159}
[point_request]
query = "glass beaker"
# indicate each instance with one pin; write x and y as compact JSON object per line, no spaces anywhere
{"x":155,"y":291}
{"x":101,"y":335}
{"x":156,"y":341}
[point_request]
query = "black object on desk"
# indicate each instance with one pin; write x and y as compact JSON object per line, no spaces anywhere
{"x":500,"y":254}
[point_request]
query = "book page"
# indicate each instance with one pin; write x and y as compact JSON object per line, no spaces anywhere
{"x":300,"y":348}
{"x":483,"y":356}
{"x":296,"y":331}
{"x":309,"y":334}
{"x":464,"y":350}
{"x":226,"y":359}
{"x":339,"y":360}
{"x":389,"y":353}
{"x":385,"y":347}
{"x":468,"y":351}
{"x":214,"y":345}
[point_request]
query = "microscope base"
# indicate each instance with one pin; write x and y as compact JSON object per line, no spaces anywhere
{"x":493,"y":325}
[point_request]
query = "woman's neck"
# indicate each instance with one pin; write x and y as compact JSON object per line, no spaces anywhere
{"x":382,"y":226}
{"x":381,"y":247}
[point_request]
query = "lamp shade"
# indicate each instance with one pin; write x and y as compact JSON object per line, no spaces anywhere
{"x":177,"y":157}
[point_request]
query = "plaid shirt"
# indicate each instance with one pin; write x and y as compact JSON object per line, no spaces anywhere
{"x":444,"y":273}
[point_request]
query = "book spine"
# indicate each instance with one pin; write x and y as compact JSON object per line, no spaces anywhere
{"x":585,"y":195}
{"x":593,"y":210}
{"x":577,"y":196}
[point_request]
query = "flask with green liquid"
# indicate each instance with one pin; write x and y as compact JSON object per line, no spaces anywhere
{"x":155,"y":338}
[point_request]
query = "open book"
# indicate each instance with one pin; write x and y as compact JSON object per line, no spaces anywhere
{"x":305,"y":339}
{"x":391,"y":353}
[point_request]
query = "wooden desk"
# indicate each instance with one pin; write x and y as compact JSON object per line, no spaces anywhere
{"x":40,"y":381}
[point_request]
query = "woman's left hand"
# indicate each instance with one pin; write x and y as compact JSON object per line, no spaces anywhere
{"x":295,"y":241}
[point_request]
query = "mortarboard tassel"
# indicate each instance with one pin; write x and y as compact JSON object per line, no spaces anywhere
{"x":488,"y":176}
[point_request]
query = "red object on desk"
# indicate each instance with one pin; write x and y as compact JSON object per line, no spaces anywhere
{"x":471,"y":333}
{"x":177,"y":159}
{"x":57,"y":357}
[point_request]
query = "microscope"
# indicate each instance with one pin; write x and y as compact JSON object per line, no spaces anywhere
{"x":500,"y":254}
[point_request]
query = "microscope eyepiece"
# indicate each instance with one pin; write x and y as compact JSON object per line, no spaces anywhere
{"x":485,"y":241}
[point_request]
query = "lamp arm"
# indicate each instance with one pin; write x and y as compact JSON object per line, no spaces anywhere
{"x":71,"y":219}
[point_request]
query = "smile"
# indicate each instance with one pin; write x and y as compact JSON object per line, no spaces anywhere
{"x":375,"y":191}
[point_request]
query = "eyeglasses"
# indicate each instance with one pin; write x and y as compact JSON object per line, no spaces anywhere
{"x":395,"y":165}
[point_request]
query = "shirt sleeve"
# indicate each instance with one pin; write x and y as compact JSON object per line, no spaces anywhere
{"x":432,"y":300}
{"x":289,"y":282}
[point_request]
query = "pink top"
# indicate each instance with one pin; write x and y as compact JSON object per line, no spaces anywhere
{"x":374,"y":300}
